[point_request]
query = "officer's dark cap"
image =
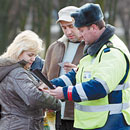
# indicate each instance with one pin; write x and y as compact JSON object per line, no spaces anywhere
{"x":87,"y":14}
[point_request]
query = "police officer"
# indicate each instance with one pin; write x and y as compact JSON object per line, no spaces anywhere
{"x":100,"y":86}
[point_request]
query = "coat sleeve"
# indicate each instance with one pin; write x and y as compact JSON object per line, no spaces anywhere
{"x":65,"y":80}
{"x":31,"y":95}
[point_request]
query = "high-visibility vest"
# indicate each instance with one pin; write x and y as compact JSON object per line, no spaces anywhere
{"x":93,"y":114}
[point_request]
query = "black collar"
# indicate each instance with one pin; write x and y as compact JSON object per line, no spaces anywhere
{"x":94,"y":48}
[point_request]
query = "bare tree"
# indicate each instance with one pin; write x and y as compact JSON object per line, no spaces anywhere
{"x":15,"y":15}
{"x":4,"y":27}
{"x":13,"y":18}
{"x":124,"y":15}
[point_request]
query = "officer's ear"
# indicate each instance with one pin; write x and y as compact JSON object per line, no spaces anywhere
{"x":94,"y":27}
{"x":90,"y":28}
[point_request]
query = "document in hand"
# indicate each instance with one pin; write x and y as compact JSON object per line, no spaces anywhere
{"x":43,"y":78}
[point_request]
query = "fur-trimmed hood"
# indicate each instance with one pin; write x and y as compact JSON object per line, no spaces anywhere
{"x":7,"y":65}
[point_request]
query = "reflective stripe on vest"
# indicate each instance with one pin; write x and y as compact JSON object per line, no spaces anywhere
{"x":122,"y":86}
{"x":113,"y":108}
{"x":104,"y":84}
{"x":66,"y":80}
{"x":81,"y":92}
{"x":119,"y":87}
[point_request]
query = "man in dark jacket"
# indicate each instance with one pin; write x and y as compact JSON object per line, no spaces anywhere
{"x":37,"y":64}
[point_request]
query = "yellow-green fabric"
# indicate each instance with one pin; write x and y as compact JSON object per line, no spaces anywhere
{"x":104,"y":70}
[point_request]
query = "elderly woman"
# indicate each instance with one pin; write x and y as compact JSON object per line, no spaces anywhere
{"x":21,"y":100}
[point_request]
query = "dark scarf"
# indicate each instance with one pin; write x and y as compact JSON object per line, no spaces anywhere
{"x":94,"y":48}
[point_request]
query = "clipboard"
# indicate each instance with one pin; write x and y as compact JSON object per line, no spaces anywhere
{"x":38,"y":73}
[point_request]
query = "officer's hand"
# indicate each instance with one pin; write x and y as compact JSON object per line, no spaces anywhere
{"x":57,"y":93}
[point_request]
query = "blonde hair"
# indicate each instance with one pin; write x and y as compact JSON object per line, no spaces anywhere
{"x":24,"y":41}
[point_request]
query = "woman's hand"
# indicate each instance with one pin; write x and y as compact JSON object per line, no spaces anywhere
{"x":43,"y":87}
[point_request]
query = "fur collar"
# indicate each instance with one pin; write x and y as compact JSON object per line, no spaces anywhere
{"x":7,"y":65}
{"x":6,"y":61}
{"x":94,"y":48}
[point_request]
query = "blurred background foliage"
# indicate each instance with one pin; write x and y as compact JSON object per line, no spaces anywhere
{"x":41,"y":15}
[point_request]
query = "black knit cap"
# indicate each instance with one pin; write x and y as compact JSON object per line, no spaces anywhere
{"x":87,"y":14}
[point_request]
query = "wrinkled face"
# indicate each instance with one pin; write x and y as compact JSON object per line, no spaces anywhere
{"x":27,"y":56}
{"x":70,"y":31}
